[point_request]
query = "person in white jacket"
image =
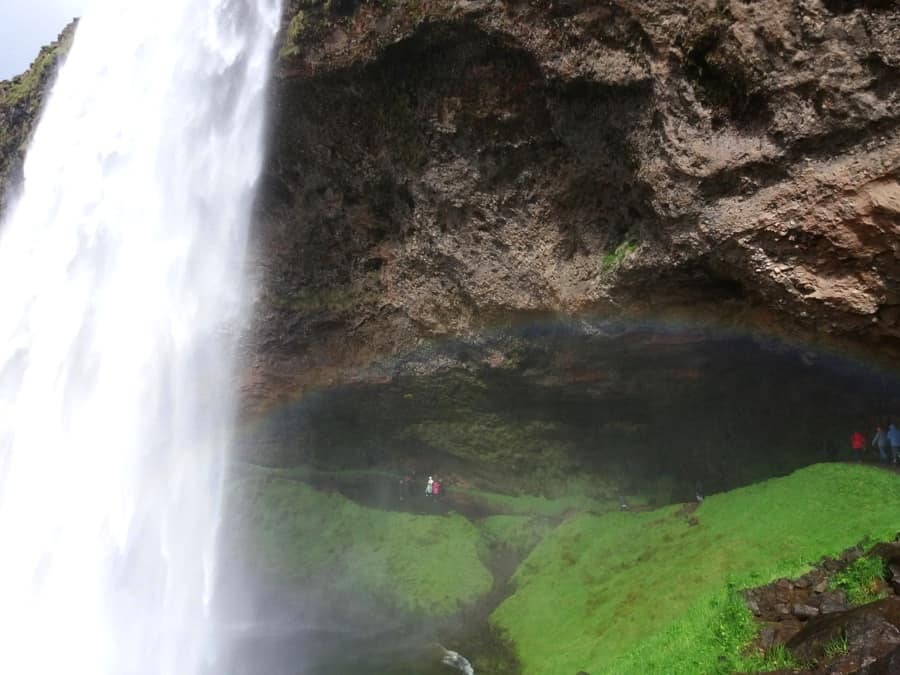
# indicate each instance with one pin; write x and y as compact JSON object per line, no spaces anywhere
{"x":880,"y":441}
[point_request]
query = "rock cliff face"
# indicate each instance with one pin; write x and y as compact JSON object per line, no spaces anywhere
{"x":21,"y":100}
{"x":438,"y":167}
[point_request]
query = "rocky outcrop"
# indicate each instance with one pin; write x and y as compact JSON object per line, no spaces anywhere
{"x":21,"y":101}
{"x":862,"y":636}
{"x":440,"y":167}
{"x":816,"y":622}
{"x":885,"y":665}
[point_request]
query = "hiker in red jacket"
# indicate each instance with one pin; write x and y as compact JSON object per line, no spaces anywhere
{"x":858,"y":444}
{"x":436,"y":489}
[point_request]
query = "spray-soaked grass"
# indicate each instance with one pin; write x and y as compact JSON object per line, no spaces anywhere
{"x":536,"y":505}
{"x":519,"y":534}
{"x":299,"y":535}
{"x":860,"y":581}
{"x":649,"y":592}
{"x":573,"y":495}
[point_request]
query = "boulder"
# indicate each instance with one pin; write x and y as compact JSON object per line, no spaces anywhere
{"x":787,"y":629}
{"x":784,"y":590}
{"x":831,"y":565}
{"x":830,"y":602}
{"x":886,"y":665}
{"x":767,"y":636}
{"x":851,"y":555}
{"x":882,"y":588}
{"x":804,"y":611}
{"x":871,"y":631}
{"x":894,"y":572}
{"x":889,"y":552}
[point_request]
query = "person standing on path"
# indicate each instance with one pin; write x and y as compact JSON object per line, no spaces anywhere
{"x":893,"y":435}
{"x":429,"y":487}
{"x":880,"y":441}
{"x":858,"y":445}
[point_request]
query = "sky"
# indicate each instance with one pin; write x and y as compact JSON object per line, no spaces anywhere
{"x":27,"y":25}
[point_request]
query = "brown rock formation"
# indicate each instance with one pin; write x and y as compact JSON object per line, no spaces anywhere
{"x":442,"y":166}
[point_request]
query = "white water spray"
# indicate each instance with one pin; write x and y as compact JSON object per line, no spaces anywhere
{"x":120,"y":290}
{"x":458,"y":661}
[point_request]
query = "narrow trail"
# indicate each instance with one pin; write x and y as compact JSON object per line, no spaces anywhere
{"x":875,"y":464}
{"x":382,"y":491}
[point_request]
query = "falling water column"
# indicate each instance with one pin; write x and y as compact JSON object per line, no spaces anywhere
{"x":120,"y":295}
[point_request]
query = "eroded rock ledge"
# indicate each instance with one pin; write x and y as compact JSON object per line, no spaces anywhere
{"x":441,"y":167}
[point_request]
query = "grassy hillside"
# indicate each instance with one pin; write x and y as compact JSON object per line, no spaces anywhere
{"x":300,"y":535}
{"x":648,"y":592}
{"x":654,"y":592}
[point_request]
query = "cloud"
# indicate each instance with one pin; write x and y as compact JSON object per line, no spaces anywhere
{"x":28,"y":25}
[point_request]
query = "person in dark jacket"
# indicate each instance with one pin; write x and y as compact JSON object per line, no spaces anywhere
{"x":880,"y":442}
{"x":893,"y":435}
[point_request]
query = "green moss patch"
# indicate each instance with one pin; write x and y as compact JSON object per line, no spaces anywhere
{"x":520,"y":533}
{"x":294,"y":533}
{"x":648,"y":592}
{"x":860,"y":581}
{"x":537,"y":505}
{"x":614,"y":259}
{"x":296,"y":28}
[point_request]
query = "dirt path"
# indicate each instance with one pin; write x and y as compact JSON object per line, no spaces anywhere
{"x":380,"y":491}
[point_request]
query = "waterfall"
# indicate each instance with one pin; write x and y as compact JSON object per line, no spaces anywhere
{"x":120,"y":298}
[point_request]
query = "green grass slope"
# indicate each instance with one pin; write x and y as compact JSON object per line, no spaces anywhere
{"x":538,"y":505}
{"x":650,"y":592}
{"x":297,"y":534}
{"x":520,"y":533}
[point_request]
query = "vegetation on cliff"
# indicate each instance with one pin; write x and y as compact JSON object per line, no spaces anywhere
{"x":21,"y":99}
{"x":860,"y":580}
